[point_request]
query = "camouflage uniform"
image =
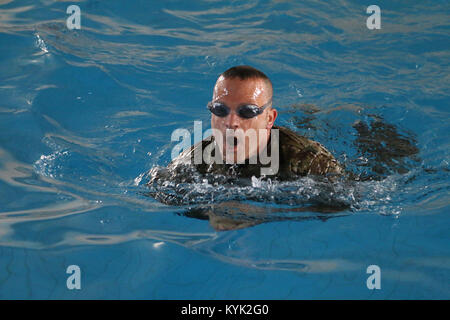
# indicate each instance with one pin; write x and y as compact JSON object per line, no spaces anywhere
{"x":298,"y":156}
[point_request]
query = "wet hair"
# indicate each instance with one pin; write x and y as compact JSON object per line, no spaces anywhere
{"x":246,"y":72}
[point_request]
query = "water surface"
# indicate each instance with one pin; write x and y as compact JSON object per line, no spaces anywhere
{"x":85,"y":114}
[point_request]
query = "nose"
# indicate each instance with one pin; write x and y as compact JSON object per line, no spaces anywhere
{"x":232,"y":121}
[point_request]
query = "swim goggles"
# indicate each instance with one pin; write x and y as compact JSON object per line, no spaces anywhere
{"x":246,"y":111}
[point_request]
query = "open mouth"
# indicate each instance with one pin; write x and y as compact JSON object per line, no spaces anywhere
{"x":232,"y":142}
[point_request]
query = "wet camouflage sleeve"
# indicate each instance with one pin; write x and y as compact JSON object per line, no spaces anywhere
{"x":179,"y":169}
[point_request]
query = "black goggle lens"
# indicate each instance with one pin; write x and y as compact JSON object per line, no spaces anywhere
{"x":219,"y":109}
{"x":249,"y":111}
{"x":246,"y":112}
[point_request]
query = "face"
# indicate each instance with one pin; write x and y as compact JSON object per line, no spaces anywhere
{"x":256,"y":131}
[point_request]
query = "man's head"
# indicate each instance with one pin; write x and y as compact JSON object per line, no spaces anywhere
{"x":237,"y":87}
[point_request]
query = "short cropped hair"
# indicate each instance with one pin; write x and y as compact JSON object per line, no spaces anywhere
{"x":246,"y":72}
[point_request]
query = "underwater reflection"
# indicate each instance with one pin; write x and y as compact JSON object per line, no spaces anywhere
{"x":389,"y":151}
{"x":233,"y":215}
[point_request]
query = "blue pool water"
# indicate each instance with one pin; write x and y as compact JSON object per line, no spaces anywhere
{"x":85,"y":114}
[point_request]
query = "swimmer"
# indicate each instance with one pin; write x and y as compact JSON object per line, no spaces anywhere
{"x":242,"y":101}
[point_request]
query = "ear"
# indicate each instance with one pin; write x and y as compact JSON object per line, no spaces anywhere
{"x":272,"y":115}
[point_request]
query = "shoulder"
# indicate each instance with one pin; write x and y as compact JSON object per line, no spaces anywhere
{"x":303,"y":156}
{"x":190,"y":155}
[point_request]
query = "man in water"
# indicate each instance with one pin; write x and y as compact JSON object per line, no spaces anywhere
{"x":242,"y":103}
{"x":242,"y":100}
